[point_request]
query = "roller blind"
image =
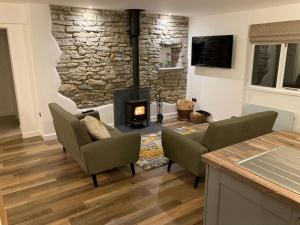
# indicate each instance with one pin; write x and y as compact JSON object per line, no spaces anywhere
{"x":279,"y":32}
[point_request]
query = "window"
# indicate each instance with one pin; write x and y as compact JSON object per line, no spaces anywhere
{"x":276,"y":66}
{"x":265,"y":65}
{"x":292,"y":67}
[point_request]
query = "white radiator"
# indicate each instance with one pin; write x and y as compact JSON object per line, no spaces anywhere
{"x":284,"y":121}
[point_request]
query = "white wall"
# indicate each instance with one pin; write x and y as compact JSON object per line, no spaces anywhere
{"x":224,"y":91}
{"x":13,"y":17}
{"x":8,"y":104}
{"x":219,"y":91}
{"x":45,"y":55}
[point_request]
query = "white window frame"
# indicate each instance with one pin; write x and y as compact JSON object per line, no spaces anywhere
{"x":280,"y":74}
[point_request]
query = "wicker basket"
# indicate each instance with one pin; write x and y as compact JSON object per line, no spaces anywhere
{"x":197,"y":117}
{"x":184,"y":114}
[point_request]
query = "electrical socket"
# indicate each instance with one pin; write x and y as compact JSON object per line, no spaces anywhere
{"x":194,"y":100}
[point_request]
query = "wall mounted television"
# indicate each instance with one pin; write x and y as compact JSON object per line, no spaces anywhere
{"x":212,"y":51}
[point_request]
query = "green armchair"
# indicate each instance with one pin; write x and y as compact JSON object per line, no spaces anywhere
{"x":186,"y":150}
{"x":94,"y":156}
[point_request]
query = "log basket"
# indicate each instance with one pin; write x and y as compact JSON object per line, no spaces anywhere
{"x":184,"y":109}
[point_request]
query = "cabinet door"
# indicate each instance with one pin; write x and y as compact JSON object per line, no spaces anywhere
{"x":228,"y":201}
{"x":296,"y":218}
{"x":234,"y":209}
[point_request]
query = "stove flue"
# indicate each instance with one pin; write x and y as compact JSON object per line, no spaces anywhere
{"x":134,"y":33}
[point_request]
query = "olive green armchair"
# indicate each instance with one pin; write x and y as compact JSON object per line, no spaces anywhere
{"x":94,"y":156}
{"x":186,"y":150}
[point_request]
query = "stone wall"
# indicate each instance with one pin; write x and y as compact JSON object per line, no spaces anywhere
{"x":96,"y":54}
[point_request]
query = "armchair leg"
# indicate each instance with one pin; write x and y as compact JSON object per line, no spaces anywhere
{"x":197,"y":179}
{"x":94,"y":177}
{"x":64,"y":149}
{"x":169,"y":165}
{"x":132,"y":169}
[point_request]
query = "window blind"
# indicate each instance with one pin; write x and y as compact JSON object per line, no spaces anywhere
{"x":278,"y":32}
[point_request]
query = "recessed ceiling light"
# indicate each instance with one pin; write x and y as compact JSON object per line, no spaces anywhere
{"x":90,"y":7}
{"x":169,"y":14}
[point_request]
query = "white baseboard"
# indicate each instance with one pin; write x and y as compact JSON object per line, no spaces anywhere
{"x":166,"y":116}
{"x":49,"y":137}
{"x":111,"y":125}
{"x":31,"y":134}
{"x":8,"y":114}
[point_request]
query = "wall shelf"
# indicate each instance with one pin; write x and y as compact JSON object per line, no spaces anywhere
{"x":170,"y":68}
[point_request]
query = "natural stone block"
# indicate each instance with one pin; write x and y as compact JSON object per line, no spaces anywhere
{"x":54,"y":17}
{"x":89,"y":16}
{"x":76,"y":56}
{"x":61,"y":35}
{"x":73,"y":17}
{"x":72,"y":64}
{"x":73,"y":29}
{"x":84,"y":87}
{"x":99,"y":83}
{"x":67,"y":87}
{"x":58,"y":28}
{"x":62,"y":22}
{"x":107,"y":39}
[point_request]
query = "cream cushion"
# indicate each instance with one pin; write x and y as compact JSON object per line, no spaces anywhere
{"x":95,"y":128}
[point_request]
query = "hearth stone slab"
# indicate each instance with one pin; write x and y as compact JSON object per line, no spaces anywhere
{"x":152,"y":128}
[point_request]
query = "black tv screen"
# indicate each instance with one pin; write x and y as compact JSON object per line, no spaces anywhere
{"x":212,"y":51}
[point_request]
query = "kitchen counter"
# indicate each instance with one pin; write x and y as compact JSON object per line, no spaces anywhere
{"x":225,"y":176}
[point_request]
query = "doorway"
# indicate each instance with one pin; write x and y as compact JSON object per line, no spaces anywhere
{"x":9,"y":119}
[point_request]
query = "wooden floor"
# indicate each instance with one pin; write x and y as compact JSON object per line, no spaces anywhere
{"x":43,"y":185}
{"x":9,"y":129}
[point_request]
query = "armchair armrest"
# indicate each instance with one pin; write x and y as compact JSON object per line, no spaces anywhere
{"x":184,"y":151}
{"x":92,"y":113}
{"x":105,"y":154}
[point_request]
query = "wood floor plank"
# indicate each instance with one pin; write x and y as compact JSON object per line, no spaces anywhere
{"x":173,"y":213}
{"x":43,"y":185}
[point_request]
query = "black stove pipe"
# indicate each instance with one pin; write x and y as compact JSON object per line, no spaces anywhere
{"x":134,"y":33}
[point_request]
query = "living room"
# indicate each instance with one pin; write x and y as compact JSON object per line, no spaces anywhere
{"x":99,"y":59}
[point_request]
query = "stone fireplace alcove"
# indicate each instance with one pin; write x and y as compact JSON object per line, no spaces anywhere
{"x":169,"y":56}
{"x":97,"y":55}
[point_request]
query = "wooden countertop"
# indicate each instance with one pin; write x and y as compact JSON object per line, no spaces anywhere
{"x":227,"y":158}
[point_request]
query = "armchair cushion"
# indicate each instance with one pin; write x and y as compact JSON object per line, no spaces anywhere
{"x":95,"y":128}
{"x":197,"y":136}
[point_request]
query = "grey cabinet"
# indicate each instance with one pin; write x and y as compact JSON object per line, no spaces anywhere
{"x":228,"y":201}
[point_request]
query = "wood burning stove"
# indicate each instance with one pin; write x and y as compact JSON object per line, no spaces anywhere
{"x":136,"y":112}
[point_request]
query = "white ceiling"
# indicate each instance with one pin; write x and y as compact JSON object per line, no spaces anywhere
{"x":176,"y":7}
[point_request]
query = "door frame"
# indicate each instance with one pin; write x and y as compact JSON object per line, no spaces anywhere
{"x":23,"y":77}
